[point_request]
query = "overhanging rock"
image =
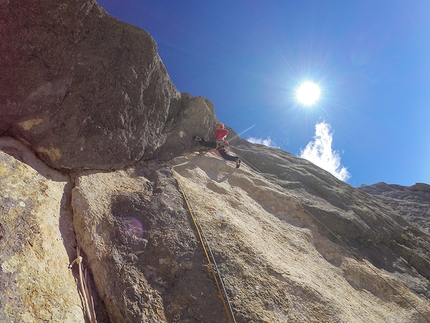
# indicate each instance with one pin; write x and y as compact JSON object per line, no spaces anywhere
{"x":84,"y":89}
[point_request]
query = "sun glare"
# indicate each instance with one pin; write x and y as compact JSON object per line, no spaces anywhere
{"x":308,"y":93}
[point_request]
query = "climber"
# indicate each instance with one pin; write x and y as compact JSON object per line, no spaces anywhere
{"x":219,"y":144}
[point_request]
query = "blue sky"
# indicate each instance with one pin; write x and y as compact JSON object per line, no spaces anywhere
{"x":371,"y":60}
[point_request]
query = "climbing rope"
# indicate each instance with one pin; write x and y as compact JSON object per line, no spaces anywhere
{"x":85,"y":291}
{"x":206,"y":248}
{"x":341,"y":241}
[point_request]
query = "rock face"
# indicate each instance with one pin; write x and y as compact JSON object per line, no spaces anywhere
{"x":36,"y":234}
{"x":195,"y":117}
{"x":84,"y":89}
{"x":286,"y":241}
{"x":412,"y":202}
{"x":142,"y":247}
{"x":291,"y":245}
{"x":297,"y":245}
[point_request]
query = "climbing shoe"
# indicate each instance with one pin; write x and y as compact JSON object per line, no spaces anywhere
{"x":237,"y":163}
{"x":197,"y":138}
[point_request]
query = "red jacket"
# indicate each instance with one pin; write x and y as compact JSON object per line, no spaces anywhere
{"x":220,"y":134}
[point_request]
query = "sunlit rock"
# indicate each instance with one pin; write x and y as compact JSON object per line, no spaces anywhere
{"x":36,"y":240}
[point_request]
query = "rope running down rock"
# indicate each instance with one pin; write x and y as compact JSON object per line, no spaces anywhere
{"x":212,"y":263}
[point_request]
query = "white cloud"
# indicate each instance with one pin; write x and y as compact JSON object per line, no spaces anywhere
{"x":321,"y":154}
{"x":266,"y":142}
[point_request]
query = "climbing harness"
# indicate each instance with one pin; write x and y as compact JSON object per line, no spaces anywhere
{"x":220,"y":146}
{"x":207,"y":250}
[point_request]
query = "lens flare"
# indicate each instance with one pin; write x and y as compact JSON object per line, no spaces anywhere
{"x":132,"y":228}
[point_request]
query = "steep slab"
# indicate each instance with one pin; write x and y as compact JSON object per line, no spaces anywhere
{"x":273,"y":238}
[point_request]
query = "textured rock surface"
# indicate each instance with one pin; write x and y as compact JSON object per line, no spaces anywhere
{"x":196,"y":116}
{"x":35,"y":234}
{"x":86,"y":90}
{"x":269,"y":232}
{"x":412,"y":202}
{"x":292,"y":243}
{"x":143,"y":250}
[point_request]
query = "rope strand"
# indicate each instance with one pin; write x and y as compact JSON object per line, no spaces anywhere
{"x":220,"y":285}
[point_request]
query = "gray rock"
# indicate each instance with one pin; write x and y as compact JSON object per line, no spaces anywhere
{"x":196,"y":116}
{"x":84,"y":89}
{"x":411,"y":202}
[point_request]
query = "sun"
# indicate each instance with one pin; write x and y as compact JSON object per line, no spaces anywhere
{"x":308,"y":93}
